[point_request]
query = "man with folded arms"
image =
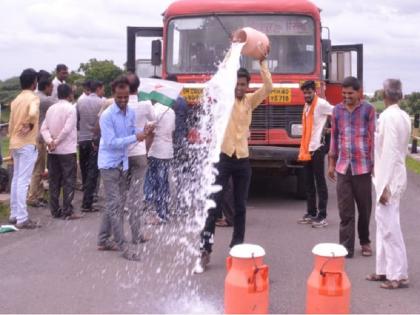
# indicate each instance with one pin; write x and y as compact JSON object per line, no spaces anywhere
{"x":60,"y":133}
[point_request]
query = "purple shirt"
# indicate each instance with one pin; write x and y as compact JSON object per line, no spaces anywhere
{"x":352,"y":138}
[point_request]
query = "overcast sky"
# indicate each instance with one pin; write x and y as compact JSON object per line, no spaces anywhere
{"x":40,"y":34}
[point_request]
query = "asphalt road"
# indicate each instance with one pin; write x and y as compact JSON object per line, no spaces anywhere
{"x":57,"y":269}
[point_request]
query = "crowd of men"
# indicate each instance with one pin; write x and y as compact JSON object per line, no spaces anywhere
{"x":121,"y":142}
{"x":129,"y":145}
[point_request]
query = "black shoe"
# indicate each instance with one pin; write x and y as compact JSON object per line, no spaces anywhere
{"x":202,"y":262}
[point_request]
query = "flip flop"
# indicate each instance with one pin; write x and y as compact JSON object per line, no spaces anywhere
{"x":395,"y":284}
{"x":376,"y":277}
{"x":222,"y":223}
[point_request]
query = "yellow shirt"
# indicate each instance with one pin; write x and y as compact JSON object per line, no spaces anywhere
{"x":237,"y":131}
{"x":24,"y":109}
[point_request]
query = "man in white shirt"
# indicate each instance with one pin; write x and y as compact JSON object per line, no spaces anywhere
{"x":156,"y":185}
{"x":137,"y":159}
{"x":62,"y":73}
{"x":312,"y":152}
{"x":390,"y":179}
{"x":60,"y":133}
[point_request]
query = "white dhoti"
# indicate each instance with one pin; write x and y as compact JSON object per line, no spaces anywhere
{"x":391,"y":256}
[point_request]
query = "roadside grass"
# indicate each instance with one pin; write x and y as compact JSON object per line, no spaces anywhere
{"x":4,"y":211}
{"x":413,"y":165}
{"x":4,"y":146}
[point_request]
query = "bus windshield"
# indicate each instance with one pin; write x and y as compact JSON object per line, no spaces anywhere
{"x":198,"y":44}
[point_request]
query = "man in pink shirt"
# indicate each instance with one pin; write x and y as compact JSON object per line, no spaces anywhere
{"x":59,"y":131}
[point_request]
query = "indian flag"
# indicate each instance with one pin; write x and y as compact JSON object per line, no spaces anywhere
{"x":161,"y":91}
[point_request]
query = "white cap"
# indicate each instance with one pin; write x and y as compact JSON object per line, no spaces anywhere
{"x":329,"y":250}
{"x":247,"y":251}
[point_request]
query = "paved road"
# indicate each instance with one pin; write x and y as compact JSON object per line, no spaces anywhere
{"x":57,"y":268}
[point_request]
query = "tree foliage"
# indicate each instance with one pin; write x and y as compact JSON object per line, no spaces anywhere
{"x":411,"y":103}
{"x":102,"y":70}
{"x":8,"y":90}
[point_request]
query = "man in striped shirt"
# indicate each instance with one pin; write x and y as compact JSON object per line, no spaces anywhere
{"x":351,"y":157}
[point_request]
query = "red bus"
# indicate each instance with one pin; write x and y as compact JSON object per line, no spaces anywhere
{"x":196,"y":34}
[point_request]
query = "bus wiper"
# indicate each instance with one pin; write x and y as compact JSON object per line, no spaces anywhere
{"x":223,"y":27}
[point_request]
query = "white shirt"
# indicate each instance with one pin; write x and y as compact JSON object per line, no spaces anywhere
{"x":392,"y":136}
{"x":162,"y":146}
{"x":60,"y":125}
{"x":56,"y":83}
{"x":322,"y":110}
{"x":144,"y":112}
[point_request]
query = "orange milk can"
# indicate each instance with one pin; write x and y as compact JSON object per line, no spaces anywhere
{"x":328,"y":287}
{"x":257,"y":44}
{"x":246,"y":283}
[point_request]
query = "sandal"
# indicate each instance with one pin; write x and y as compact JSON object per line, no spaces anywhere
{"x":376,"y":277}
{"x":222,"y":223}
{"x":395,"y":284}
{"x":108,"y":246}
{"x":366,"y":250}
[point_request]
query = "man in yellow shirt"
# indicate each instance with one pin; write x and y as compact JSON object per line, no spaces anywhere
{"x":234,"y":160}
{"x":23,"y":131}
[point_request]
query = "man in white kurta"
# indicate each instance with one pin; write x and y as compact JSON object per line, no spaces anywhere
{"x":391,"y":145}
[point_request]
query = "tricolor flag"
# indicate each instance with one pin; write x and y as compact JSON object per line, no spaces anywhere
{"x":161,"y":91}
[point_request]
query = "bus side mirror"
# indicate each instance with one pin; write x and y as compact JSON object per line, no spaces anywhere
{"x":156,"y":52}
{"x":326,"y":57}
{"x":326,"y":50}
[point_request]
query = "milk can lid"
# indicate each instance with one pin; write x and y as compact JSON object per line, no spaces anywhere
{"x":329,"y":250}
{"x":247,"y":251}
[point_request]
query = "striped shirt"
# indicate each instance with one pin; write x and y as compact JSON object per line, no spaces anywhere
{"x":352,"y":138}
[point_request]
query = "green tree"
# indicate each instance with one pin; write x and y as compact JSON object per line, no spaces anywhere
{"x":377,"y":96}
{"x":8,"y":90}
{"x":76,"y":80}
{"x":411,"y":103}
{"x":102,"y":70}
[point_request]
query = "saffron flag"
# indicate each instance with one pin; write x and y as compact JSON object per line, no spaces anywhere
{"x":161,"y":91}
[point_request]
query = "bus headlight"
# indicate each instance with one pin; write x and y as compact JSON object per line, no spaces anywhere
{"x":296,"y":130}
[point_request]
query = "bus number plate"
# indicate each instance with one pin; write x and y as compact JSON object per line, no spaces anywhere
{"x":282,"y":95}
{"x":191,"y":95}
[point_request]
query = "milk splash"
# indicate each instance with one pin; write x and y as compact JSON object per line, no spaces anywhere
{"x":179,"y":240}
{"x":214,"y":112}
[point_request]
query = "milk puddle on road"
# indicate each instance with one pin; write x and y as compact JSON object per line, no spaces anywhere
{"x":164,"y":276}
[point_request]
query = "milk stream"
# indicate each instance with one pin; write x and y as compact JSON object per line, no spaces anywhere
{"x":168,"y":283}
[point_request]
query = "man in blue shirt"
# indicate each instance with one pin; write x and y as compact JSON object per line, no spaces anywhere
{"x":118,"y":131}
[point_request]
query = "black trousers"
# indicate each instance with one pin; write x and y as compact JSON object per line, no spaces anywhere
{"x":226,"y":207}
{"x":351,"y":189}
{"x":240,"y":171}
{"x":62,"y":169}
{"x":88,"y":160}
{"x":315,"y":184}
